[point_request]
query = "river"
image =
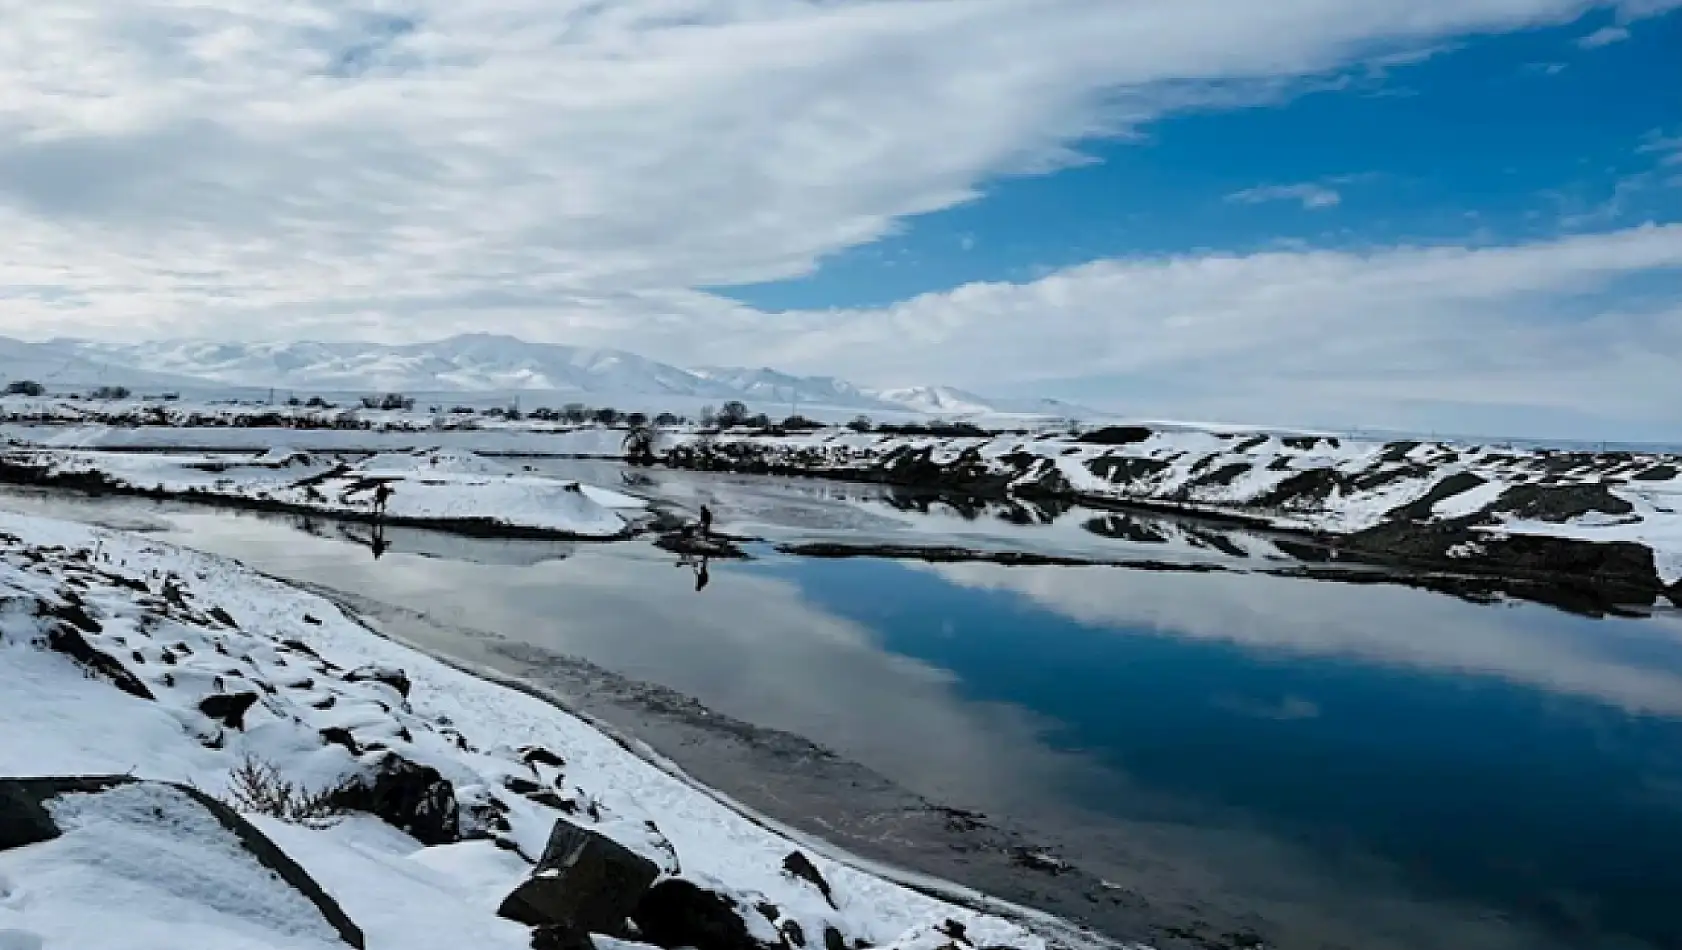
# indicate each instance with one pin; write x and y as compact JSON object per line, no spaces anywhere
{"x":1222,"y":757}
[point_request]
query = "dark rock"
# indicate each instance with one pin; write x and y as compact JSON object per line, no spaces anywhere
{"x":301,"y":647}
{"x":391,"y":676}
{"x":66,"y":639}
{"x":1313,"y":485}
{"x":676,"y":914}
{"x":521,"y":786}
{"x":550,"y":799}
{"x":802,"y":867}
{"x":25,"y":820}
{"x":340,"y":736}
{"x":832,"y":939}
{"x":769,"y":911}
{"x":538,"y":755}
{"x":561,"y":937}
{"x":1121,"y":469}
{"x":312,"y":621}
{"x":480,"y":818}
{"x":1221,"y":477}
{"x":223,"y":617}
{"x":1658,"y":473}
{"x":1115,"y":435}
{"x":407,"y":796}
{"x":793,"y":933}
{"x":73,"y":611}
{"x":1559,"y":503}
{"x":229,"y":709}
{"x":583,"y":879}
{"x":1397,"y":451}
{"x":1420,"y":509}
{"x":955,"y":930}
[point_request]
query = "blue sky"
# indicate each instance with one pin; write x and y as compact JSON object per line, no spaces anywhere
{"x":1500,"y":139}
{"x":1441,"y":215}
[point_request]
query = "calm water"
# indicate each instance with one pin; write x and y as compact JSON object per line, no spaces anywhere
{"x":1358,"y":766}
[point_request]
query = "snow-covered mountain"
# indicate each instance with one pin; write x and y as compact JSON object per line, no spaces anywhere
{"x":66,"y":367}
{"x":947,"y":401}
{"x":484,"y":363}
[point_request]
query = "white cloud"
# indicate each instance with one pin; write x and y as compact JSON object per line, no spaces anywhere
{"x":1313,"y":197}
{"x":1401,"y":336}
{"x":1668,"y":149}
{"x":1605,"y":36}
{"x":1528,"y":646}
{"x":573,"y":169}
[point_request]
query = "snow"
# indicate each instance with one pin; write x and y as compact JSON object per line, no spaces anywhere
{"x":143,"y":866}
{"x":441,"y":898}
{"x":432,"y":485}
{"x":1367,"y":481}
{"x":148,"y":871}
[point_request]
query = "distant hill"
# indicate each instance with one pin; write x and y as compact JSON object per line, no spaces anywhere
{"x":484,"y":363}
{"x":60,"y":368}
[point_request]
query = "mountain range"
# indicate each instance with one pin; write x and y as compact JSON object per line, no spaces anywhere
{"x":478,"y":364}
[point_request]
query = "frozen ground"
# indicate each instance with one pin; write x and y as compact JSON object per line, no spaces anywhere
{"x":161,"y":631}
{"x":431,"y":486}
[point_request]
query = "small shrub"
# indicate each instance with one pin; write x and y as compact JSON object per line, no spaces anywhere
{"x":256,"y":786}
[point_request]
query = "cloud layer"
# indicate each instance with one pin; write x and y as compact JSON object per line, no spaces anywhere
{"x":571,"y":170}
{"x":1312,"y":196}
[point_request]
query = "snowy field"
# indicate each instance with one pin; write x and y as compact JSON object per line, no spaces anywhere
{"x":431,"y":486}
{"x":122,"y":655}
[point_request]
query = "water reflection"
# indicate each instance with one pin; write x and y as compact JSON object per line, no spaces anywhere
{"x":1635,"y":665}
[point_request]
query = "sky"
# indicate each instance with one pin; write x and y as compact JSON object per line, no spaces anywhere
{"x":1439,"y":215}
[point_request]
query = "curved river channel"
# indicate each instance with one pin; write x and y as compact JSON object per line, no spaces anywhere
{"x":1201,"y":759}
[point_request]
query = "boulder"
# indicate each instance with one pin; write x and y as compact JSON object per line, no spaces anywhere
{"x":229,"y":709}
{"x":411,"y":797}
{"x":26,"y":820}
{"x":676,"y":914}
{"x":66,"y":639}
{"x":583,"y":880}
{"x":800,"y":866}
{"x":561,"y":937}
{"x":389,"y":675}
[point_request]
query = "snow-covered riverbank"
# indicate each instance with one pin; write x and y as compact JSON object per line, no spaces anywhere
{"x":121,"y":655}
{"x":430,"y":487}
{"x":1609,"y":519}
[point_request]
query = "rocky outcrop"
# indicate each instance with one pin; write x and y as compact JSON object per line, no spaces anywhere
{"x":413,"y":798}
{"x":1403,"y":503}
{"x":801,"y":867}
{"x":26,"y":819}
{"x":229,"y":709}
{"x":68,"y":640}
{"x":584,"y":881}
{"x":389,"y":675}
{"x":678,"y":914}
